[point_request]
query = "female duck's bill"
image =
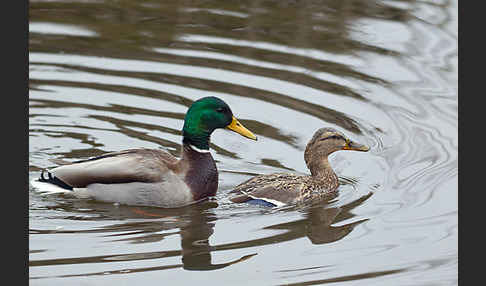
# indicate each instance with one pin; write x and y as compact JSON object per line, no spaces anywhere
{"x":152,"y":177}
{"x":355,"y":146}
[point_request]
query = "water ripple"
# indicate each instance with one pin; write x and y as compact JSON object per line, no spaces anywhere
{"x":111,"y":76}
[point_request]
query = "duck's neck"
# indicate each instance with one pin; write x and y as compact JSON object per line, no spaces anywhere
{"x":321,"y":170}
{"x":199,"y":140}
{"x":201,"y":175}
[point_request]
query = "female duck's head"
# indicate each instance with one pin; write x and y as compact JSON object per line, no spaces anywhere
{"x":204,"y":116}
{"x":324,"y":142}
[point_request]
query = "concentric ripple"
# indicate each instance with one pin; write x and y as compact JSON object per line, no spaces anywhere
{"x":109,"y":76}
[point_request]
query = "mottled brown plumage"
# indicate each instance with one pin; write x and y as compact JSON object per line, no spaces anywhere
{"x":281,"y":188}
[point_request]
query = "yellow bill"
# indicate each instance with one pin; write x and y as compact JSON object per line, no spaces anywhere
{"x":237,"y":127}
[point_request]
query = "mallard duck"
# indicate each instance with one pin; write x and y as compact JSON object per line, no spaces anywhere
{"x":282,"y":188}
{"x":152,"y":177}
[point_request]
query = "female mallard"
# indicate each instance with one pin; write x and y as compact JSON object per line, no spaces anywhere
{"x":281,"y":188}
{"x":152,"y":177}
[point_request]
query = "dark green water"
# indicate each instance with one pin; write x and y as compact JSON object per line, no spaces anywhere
{"x":111,"y":75}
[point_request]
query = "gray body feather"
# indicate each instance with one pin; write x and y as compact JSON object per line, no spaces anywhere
{"x":145,"y":177}
{"x":167,"y":194}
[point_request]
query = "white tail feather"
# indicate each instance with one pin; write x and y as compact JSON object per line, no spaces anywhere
{"x":45,"y":188}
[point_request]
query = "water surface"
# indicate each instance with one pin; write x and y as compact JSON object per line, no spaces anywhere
{"x":106,"y":76}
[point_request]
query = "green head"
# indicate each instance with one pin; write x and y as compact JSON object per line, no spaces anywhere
{"x":204,"y":116}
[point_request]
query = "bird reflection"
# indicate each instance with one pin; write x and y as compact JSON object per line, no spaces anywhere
{"x":195,"y":223}
{"x":319,"y":219}
{"x":317,"y":225}
{"x":195,"y":233}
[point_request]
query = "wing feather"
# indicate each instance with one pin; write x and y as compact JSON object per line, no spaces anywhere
{"x":135,"y":165}
{"x":277,"y":189}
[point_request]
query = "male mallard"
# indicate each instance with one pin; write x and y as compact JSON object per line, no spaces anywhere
{"x":152,"y":177}
{"x":280,"y":188}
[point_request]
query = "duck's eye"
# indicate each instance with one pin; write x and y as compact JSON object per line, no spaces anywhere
{"x":220,"y":109}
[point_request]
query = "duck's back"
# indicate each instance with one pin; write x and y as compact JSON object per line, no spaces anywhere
{"x":133,"y":165}
{"x":148,"y":177}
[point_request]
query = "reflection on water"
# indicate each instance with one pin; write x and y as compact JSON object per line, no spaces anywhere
{"x":195,"y":225}
{"x":106,"y":76}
